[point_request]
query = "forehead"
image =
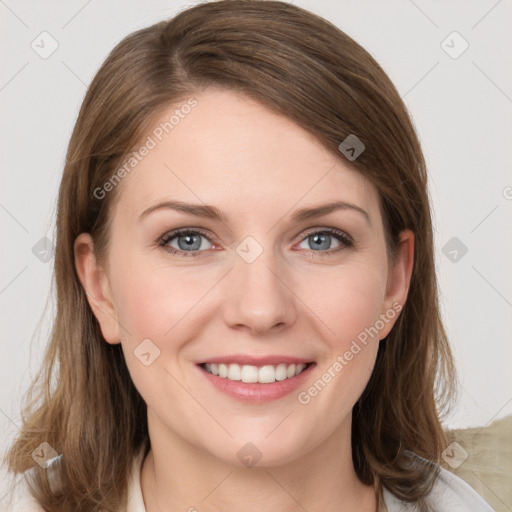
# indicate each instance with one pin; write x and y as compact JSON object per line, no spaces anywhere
{"x":232,"y":152}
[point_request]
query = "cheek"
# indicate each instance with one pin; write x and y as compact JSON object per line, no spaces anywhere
{"x":347,"y":299}
{"x":152,"y":301}
{"x":155,"y":306}
{"x":349,"y":310}
{"x":348,"y":302}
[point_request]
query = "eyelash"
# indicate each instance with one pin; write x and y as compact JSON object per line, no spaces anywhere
{"x":339,"y":235}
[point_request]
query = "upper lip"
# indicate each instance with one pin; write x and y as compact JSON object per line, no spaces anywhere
{"x":244,"y":359}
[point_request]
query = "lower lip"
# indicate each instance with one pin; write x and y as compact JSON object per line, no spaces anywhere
{"x":255,"y":392}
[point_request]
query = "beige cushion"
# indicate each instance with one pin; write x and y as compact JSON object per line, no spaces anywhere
{"x":488,"y":467}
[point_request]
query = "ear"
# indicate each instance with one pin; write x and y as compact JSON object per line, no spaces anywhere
{"x":399,"y":279}
{"x":97,"y":287}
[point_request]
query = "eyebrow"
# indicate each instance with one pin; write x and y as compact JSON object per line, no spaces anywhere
{"x":210,"y":212}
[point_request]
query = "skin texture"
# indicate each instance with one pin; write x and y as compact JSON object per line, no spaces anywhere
{"x":294,"y":299}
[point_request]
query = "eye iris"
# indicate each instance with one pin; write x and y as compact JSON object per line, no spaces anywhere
{"x":324,"y":240}
{"x":189,"y":244}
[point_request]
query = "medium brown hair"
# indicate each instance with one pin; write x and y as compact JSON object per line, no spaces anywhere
{"x":303,"y":67}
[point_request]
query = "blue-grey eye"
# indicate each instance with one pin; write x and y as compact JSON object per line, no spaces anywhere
{"x":187,"y":242}
{"x":320,"y":241}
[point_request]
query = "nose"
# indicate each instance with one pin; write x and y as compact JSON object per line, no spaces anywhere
{"x":257,"y":296}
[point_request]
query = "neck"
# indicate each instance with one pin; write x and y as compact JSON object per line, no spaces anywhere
{"x":178,"y":476}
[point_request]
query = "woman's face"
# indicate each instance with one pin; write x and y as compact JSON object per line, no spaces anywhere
{"x":255,"y":281}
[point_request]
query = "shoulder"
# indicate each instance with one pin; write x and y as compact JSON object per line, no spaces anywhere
{"x":449,"y":494}
{"x":16,"y":496}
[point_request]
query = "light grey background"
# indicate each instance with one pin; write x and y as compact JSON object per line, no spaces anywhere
{"x":462,"y":109}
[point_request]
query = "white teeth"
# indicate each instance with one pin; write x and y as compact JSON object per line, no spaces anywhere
{"x":266,"y":374}
{"x":281,"y":372}
{"x":234,"y":372}
{"x":248,"y":373}
{"x":214,"y":368}
{"x":223,"y":370}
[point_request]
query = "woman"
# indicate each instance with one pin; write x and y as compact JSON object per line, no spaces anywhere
{"x":247,"y":300}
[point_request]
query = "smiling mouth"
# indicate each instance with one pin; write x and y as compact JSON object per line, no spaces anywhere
{"x":266,"y":374}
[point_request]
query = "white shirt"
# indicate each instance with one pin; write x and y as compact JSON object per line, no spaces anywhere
{"x":449,"y":494}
